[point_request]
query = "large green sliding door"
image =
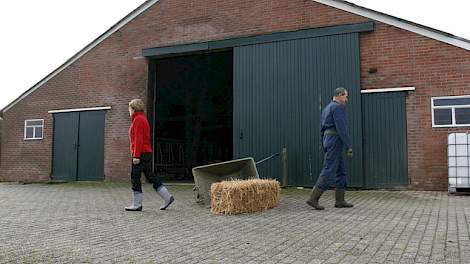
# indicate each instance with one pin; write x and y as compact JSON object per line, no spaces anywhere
{"x":78,"y":152}
{"x":279,"y":91}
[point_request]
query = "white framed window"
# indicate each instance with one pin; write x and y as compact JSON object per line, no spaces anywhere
{"x":33,"y":129}
{"x":450,"y":111}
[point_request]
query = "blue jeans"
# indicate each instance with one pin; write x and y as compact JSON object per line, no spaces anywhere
{"x":333,"y":169}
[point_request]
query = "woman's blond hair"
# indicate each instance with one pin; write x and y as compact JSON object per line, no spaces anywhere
{"x":137,"y":105}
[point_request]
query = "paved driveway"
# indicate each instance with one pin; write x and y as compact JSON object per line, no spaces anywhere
{"x":86,"y":223}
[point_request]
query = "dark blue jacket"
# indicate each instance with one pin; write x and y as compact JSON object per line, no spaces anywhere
{"x":334,"y":116}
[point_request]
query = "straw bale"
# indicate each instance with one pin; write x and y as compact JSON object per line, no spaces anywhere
{"x":244,"y":196}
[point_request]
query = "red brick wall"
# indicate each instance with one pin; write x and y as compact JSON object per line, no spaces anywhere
{"x":434,"y":68}
{"x":114,"y":72}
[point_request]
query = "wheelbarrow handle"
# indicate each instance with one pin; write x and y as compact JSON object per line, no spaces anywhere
{"x":265,"y":159}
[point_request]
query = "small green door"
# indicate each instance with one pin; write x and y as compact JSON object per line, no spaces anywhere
{"x":64,"y":165}
{"x":91,"y":146}
{"x":78,"y":152}
{"x":384,"y":139}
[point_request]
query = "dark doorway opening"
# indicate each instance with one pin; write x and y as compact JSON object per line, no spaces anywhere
{"x":193,"y":113}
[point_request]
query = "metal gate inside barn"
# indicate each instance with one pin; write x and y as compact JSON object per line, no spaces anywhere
{"x":78,"y":148}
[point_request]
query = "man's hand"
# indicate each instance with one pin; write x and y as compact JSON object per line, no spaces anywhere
{"x":135,"y":161}
{"x":349,"y":153}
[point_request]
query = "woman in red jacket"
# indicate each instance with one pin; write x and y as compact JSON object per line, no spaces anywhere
{"x":141,"y":151}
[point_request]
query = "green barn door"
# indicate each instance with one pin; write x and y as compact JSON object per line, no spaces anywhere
{"x":279,"y":91}
{"x":78,"y":151}
{"x":91,"y":146}
{"x":64,"y":165}
{"x":385,"y":143}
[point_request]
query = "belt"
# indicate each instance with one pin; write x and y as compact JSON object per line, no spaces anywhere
{"x":330,"y":131}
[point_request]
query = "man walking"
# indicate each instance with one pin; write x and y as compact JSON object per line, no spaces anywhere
{"x":334,"y":138}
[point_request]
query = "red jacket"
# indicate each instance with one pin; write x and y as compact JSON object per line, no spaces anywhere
{"x":139,"y":135}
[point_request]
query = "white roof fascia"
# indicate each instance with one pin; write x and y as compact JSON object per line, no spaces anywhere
{"x":82,"y":52}
{"x":79,"y":109}
{"x":390,"y":20}
{"x":385,"y":90}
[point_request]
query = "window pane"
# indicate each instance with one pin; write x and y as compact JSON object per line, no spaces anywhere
{"x":447,"y":102}
{"x":34,"y":123}
{"x":462,"y":116}
{"x":443,"y":116}
{"x":29,"y":132}
{"x":38,"y":132}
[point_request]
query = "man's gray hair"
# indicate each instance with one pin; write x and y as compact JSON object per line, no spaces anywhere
{"x":340,"y":91}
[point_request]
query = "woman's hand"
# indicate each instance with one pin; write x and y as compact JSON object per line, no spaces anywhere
{"x":135,"y":161}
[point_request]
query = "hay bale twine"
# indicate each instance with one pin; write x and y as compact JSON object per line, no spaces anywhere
{"x":244,"y":196}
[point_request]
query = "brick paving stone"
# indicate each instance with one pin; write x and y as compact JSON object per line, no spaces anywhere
{"x":85,"y":223}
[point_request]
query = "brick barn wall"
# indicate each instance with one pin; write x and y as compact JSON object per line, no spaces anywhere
{"x":434,"y":68}
{"x":114,"y":72}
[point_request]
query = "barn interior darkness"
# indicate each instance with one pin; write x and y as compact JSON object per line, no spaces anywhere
{"x":193,"y":112}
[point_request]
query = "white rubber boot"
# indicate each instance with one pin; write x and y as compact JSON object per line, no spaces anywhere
{"x":166,"y":196}
{"x":136,"y":202}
